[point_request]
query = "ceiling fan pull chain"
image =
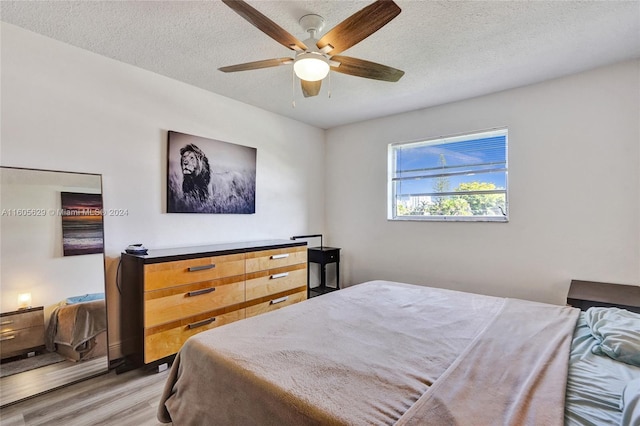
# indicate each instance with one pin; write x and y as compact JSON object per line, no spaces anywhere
{"x":293,"y":88}
{"x":329,"y":91}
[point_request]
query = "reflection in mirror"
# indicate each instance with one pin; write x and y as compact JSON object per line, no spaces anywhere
{"x":53,"y":315}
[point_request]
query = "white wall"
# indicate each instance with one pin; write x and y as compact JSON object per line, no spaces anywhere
{"x":574,"y":192}
{"x":64,"y":108}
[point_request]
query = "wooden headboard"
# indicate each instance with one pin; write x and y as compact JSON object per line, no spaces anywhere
{"x":585,"y":294}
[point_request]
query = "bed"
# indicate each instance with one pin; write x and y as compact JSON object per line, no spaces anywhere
{"x":392,"y":353}
{"x":77,"y":328}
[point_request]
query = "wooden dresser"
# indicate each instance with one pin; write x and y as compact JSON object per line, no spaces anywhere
{"x":171,"y":294}
{"x":21,"y":331}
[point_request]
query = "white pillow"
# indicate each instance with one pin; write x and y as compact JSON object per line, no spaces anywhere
{"x":617,"y":332}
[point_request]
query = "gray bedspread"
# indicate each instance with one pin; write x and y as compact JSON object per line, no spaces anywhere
{"x":378,"y":353}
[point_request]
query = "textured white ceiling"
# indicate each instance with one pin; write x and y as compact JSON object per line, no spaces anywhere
{"x":449,"y":50}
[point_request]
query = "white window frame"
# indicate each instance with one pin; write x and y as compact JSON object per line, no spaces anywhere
{"x":391,"y":188}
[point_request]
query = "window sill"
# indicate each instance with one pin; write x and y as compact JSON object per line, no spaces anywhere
{"x":497,"y":219}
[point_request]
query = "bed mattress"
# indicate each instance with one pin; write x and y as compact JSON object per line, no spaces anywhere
{"x":378,"y":353}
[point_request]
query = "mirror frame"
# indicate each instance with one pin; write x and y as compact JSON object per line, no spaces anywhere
{"x":28,"y":381}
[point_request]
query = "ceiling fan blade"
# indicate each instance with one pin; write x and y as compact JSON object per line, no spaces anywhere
{"x":366,"y":69}
{"x":265,"y":24}
{"x":257,"y":65}
{"x":310,"y":88}
{"x":358,"y":26}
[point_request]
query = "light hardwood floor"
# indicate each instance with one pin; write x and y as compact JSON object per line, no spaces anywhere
{"x":128,"y":399}
{"x":33,"y":382}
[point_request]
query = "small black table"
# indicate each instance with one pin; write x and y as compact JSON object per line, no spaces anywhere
{"x":323,"y":256}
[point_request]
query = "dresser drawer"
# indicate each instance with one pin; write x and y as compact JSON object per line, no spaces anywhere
{"x":176,"y":303}
{"x":276,"y":303}
{"x":165,"y":341}
{"x":276,"y":258}
{"x":274,"y":281}
{"x":18,"y":342}
{"x":171,"y":274}
{"x":21,"y":320}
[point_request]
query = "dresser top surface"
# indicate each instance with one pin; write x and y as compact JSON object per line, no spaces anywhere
{"x":182,"y":253}
{"x":22,"y":311}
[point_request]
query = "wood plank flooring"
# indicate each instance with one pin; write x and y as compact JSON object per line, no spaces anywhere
{"x":128,"y":399}
{"x":19,"y":386}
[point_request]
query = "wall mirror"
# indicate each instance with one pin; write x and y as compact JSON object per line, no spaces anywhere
{"x":52,"y":281}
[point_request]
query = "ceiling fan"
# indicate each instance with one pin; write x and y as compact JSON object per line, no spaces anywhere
{"x":314,"y":58}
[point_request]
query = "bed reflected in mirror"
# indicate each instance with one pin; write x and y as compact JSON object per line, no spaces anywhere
{"x":53,"y":314}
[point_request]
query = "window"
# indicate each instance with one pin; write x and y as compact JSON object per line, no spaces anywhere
{"x":457,"y":178}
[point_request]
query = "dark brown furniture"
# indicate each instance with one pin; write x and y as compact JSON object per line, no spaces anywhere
{"x":21,"y":332}
{"x":170,"y":295}
{"x":586,"y":294}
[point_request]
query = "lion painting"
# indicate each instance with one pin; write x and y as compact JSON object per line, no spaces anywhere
{"x":209,"y":176}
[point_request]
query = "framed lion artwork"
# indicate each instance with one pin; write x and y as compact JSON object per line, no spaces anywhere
{"x":210,"y":176}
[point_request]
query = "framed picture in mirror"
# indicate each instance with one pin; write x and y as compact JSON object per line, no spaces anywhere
{"x":82,"y":229}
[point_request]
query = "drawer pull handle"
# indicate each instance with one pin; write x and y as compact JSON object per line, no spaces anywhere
{"x":201,"y":268}
{"x":2,"y":339}
{"x":6,"y":322}
{"x":282,"y":275}
{"x":279,"y":300}
{"x":280,"y":256}
{"x":199,"y":292}
{"x":201,"y":323}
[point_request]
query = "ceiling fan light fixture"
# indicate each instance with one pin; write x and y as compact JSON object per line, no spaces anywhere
{"x":311,"y":66}
{"x":315,"y":58}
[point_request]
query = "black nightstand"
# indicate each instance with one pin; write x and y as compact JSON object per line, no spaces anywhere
{"x":323,"y":256}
